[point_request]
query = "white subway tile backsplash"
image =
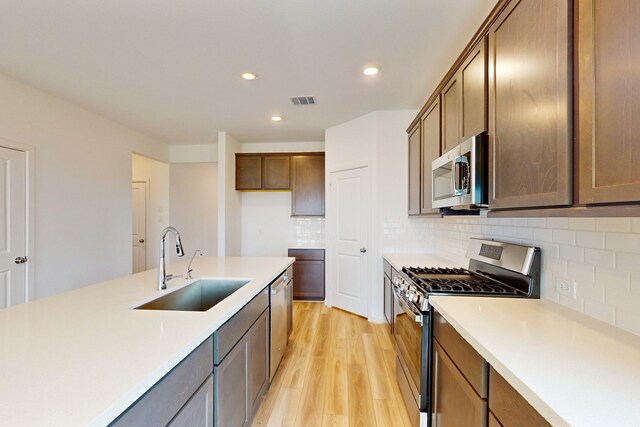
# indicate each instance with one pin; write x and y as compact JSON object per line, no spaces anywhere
{"x":582,"y":224}
{"x":602,"y":255}
{"x":613,"y":224}
{"x":572,"y":253}
{"x":564,"y":236}
{"x":623,"y":242}
{"x":628,"y":320}
{"x":591,"y":292}
{"x":590,"y":239}
{"x":599,"y":257}
{"x":581,"y":273}
{"x":558,"y":223}
{"x":628,"y":262}
{"x":600,"y":311}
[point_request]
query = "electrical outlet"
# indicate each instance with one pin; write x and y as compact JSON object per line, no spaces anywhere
{"x":566,"y":287}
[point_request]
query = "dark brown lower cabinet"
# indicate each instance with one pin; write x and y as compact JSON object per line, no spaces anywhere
{"x":308,"y":269}
{"x":241,"y":378}
{"x":181,"y":397}
{"x":509,"y":407}
{"x":455,"y":403}
{"x":460,"y":377}
{"x":199,"y":409}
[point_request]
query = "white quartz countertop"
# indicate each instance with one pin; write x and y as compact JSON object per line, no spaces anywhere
{"x":83,"y":357}
{"x":398,"y":261}
{"x":572,"y":369}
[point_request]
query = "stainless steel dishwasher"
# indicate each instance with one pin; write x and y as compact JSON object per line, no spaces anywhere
{"x":278,"y":321}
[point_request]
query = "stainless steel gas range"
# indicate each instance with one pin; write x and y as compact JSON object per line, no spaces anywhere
{"x":496,"y":269}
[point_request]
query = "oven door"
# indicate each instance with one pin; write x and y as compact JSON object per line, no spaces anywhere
{"x":408,"y":334}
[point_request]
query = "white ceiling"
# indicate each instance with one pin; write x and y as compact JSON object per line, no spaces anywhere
{"x":170,"y":68}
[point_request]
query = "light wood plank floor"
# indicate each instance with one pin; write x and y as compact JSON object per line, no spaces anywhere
{"x":338,"y":370}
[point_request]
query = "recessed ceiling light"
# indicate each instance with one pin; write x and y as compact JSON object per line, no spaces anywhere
{"x":276,"y":118}
{"x":249,"y":76}
{"x":371,"y":70}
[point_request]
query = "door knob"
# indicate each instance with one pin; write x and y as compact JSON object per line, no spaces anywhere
{"x":363,"y":250}
{"x":141,"y":241}
{"x":21,"y":260}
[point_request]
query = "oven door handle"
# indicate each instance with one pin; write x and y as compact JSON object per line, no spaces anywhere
{"x":417,"y":317}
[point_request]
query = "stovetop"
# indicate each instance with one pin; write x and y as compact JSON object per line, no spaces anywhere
{"x":440,"y":280}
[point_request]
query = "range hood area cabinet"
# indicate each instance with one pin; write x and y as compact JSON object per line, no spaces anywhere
{"x":456,"y":113}
{"x":300,"y":173}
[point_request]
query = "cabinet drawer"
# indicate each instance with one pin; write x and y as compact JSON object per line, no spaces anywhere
{"x":509,"y":407}
{"x":307,"y":254}
{"x":230,"y":333}
{"x":165,"y":399}
{"x":471,"y":364}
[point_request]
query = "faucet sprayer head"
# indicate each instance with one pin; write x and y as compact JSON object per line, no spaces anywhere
{"x":179,"y":249}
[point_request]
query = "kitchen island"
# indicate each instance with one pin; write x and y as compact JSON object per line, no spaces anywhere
{"x":83,"y":357}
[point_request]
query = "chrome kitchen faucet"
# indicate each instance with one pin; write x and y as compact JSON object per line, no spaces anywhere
{"x":162,"y":276}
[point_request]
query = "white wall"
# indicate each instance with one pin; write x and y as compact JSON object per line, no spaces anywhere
{"x":229,"y":200}
{"x":158,"y":215}
{"x":194,"y":206}
{"x":377,"y":140}
{"x":82,"y":188}
{"x":267,"y":226}
{"x":193,"y":153}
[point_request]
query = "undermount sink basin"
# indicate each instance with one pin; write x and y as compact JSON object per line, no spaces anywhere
{"x":198,"y":296}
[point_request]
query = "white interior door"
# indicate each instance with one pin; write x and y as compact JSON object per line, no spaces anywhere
{"x":139,"y":229}
{"x":350,"y":192}
{"x":13,"y":227}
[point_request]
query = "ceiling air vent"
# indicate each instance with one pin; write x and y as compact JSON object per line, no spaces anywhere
{"x":302,"y":100}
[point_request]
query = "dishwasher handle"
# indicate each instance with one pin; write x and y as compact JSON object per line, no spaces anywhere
{"x":277,"y":288}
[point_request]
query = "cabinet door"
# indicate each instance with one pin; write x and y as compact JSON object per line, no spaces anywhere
{"x":529,"y":103}
{"x":455,"y":403}
{"x":473,"y":79}
{"x":309,"y":283}
{"x":248,"y":172}
{"x":307,"y":174}
{"x":414,"y":170}
{"x":257,"y":362}
{"x":509,"y":407}
{"x":199,"y":409}
{"x":230,"y":388}
{"x":276,"y":173}
{"x":451,"y":114}
{"x":430,"y":151}
{"x":609,"y":101}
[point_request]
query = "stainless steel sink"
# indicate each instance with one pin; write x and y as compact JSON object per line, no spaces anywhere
{"x":198,"y":296}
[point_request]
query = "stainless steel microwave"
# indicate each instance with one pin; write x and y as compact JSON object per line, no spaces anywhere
{"x":460,"y":177}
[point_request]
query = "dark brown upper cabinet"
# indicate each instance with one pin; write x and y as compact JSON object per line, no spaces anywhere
{"x":248,"y":172}
{"x":414,"y":170}
{"x":430,"y":124}
{"x":276,"y":172}
{"x":473,"y":100}
{"x":307,"y":179}
{"x":609,"y":101}
{"x":451,"y":102}
{"x":464,"y":99}
{"x":530,"y":129}
{"x":256,"y":172}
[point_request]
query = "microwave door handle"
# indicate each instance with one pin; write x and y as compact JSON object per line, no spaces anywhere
{"x":460,"y":162}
